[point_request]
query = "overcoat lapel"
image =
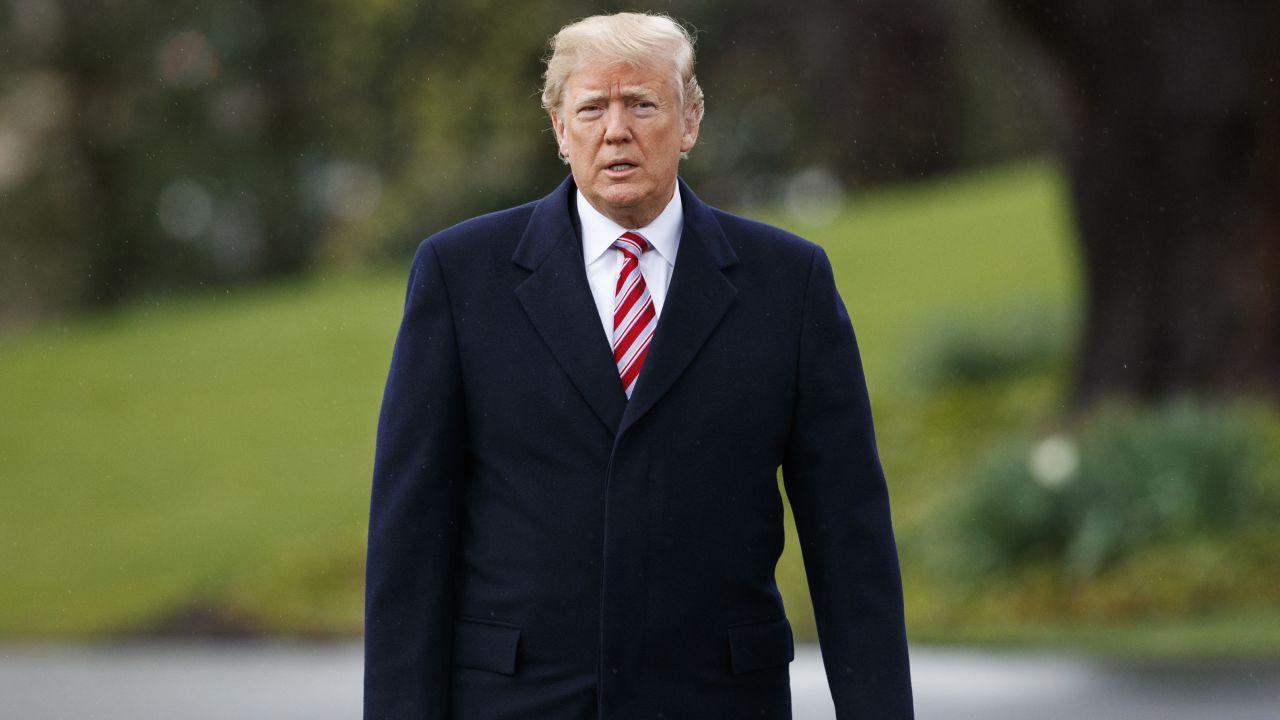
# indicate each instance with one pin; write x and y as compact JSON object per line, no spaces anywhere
{"x":558,"y":301}
{"x":697,"y":300}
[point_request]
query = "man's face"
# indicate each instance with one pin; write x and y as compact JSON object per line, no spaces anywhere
{"x":623,"y":130}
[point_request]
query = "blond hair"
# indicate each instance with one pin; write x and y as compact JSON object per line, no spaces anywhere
{"x":640,"y":39}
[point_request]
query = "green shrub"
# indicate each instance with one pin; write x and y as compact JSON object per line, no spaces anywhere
{"x":958,"y":351}
{"x":1128,"y":478}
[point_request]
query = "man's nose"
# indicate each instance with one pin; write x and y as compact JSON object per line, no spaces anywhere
{"x":617,"y":127}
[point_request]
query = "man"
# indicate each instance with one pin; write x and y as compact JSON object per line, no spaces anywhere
{"x":575,"y":508}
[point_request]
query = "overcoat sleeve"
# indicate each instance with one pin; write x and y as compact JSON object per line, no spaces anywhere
{"x":838,"y":497}
{"x":418,"y":464}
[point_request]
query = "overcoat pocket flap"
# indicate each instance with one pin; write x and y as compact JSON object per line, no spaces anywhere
{"x":485,"y":646}
{"x":761,"y":645}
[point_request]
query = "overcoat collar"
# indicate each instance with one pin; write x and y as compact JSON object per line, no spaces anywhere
{"x":558,"y":300}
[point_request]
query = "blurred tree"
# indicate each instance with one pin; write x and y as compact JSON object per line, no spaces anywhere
{"x":1173,"y":143}
{"x":210,"y":143}
{"x":164,"y":155}
{"x":213,"y":143}
{"x":868,"y":89}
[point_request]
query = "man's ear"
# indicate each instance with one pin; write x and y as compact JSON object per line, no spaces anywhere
{"x":691,"y":125}
{"x":557,"y":124}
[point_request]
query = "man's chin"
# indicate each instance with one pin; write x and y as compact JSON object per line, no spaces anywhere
{"x":622,"y":197}
{"x":622,"y":194}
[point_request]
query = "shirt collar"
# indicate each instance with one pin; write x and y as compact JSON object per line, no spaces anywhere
{"x":599,"y":232}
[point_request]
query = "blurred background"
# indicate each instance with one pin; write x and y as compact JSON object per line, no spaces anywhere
{"x":1056,"y":226}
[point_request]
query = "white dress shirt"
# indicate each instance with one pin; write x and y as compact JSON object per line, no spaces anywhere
{"x":604,"y":261}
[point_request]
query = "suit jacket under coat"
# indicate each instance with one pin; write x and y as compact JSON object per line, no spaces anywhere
{"x":541,"y":547}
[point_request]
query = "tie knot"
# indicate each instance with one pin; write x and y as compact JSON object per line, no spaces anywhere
{"x":632,"y":244}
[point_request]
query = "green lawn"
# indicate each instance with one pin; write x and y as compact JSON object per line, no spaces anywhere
{"x":210,"y":455}
{"x":160,"y":457}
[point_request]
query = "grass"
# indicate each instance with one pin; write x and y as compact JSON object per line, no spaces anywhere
{"x":156,"y":457}
{"x":1231,"y":635}
{"x":206,"y":459}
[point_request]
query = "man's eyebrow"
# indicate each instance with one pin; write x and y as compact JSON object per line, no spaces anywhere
{"x":639,"y":92}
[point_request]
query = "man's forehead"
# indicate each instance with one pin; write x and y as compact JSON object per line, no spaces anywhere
{"x":619,"y":77}
{"x":589,"y":90}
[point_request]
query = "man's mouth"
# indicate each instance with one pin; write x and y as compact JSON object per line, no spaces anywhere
{"x":620,"y":167}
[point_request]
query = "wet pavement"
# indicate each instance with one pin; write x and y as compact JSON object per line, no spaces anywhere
{"x":281,"y":681}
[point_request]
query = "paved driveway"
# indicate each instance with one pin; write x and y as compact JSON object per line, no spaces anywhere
{"x":272,"y":681}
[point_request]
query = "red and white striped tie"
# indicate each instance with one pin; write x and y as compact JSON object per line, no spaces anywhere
{"x":633,"y":315}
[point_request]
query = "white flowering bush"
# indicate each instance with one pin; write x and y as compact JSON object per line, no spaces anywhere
{"x":1128,"y":478}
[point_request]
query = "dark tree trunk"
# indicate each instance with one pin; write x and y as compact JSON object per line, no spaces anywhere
{"x":1172,"y":140}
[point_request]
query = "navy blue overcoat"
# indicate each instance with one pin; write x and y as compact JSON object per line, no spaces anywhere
{"x":543,"y":548}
